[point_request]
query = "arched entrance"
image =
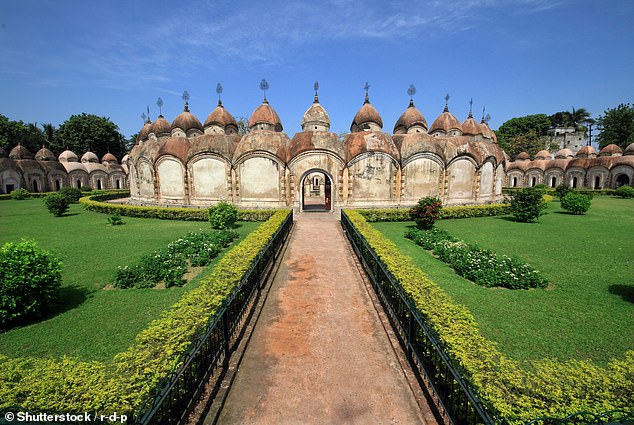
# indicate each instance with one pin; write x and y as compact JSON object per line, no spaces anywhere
{"x":316,"y":191}
{"x":622,"y":180}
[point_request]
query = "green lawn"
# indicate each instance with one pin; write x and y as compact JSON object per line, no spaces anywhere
{"x":589,"y":259}
{"x":88,"y":321}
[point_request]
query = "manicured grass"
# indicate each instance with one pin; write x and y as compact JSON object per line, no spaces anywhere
{"x":589,"y":259}
{"x":88,"y":321}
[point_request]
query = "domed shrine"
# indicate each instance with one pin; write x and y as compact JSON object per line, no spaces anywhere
{"x":194,"y":164}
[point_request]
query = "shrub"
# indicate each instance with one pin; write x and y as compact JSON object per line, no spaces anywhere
{"x":625,"y":192}
{"x":542,"y":188}
{"x":29,"y":278}
{"x":115,"y":220}
{"x":426,"y":212}
{"x":429,"y":238}
{"x":562,"y":190}
{"x":223,"y":215}
{"x":576,"y":203}
{"x":86,"y":188}
{"x":527,"y":205}
{"x":460,"y":211}
{"x":20,"y":194}
{"x":56,"y":203}
{"x":72,"y":193}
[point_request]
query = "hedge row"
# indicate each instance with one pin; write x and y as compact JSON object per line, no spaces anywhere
{"x":118,"y":193}
{"x":402,"y":214}
{"x":71,"y":385}
{"x":96,"y":203}
{"x":517,"y":391}
{"x":551,"y":191}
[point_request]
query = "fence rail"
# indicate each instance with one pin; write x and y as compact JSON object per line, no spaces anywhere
{"x":207,"y":359}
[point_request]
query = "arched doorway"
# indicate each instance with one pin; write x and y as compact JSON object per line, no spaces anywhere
{"x":316,"y":191}
{"x":622,"y":180}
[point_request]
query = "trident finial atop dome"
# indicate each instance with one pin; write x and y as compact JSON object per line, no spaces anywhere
{"x":447,"y":102}
{"x":316,"y":87}
{"x":186,"y":99}
{"x":264,"y":86}
{"x":471,"y":108}
{"x":367,"y":88}
{"x":411,"y":91}
{"x":219,"y":92}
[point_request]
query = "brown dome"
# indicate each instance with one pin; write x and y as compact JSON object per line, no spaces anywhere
{"x":221,"y":117}
{"x":367,"y":114}
{"x":143,"y":133}
{"x":265,"y":114}
{"x":543,"y":154}
{"x":273,"y":142}
{"x":470,"y":126}
{"x":89,"y":157}
{"x":586,"y":152}
{"x":611,"y":150}
{"x":20,"y":152}
{"x":410,"y":117}
{"x":68,"y":156}
{"x":45,"y":154}
{"x":109,"y":158}
{"x":315,"y":140}
{"x":358,"y":143}
{"x":161,"y":126}
{"x":187,"y":121}
{"x":316,"y":114}
{"x":523,"y":156}
{"x":629,"y":150}
{"x":446,"y":122}
{"x":564,"y":153}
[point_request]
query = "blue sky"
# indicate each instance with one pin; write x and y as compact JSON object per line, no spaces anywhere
{"x":112,"y":58}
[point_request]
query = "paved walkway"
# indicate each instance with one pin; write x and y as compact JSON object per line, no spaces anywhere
{"x":319,"y":354}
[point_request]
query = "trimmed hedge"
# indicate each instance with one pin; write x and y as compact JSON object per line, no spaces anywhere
{"x":517,"y":391}
{"x":398,"y":214}
{"x":551,"y":191}
{"x":71,"y":385}
{"x":96,"y":203}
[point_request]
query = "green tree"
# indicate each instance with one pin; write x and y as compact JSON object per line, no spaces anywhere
{"x":617,"y":126}
{"x":49,"y":131}
{"x":84,"y":132}
{"x":524,"y":134}
{"x":14,"y":132}
{"x":243,"y":125}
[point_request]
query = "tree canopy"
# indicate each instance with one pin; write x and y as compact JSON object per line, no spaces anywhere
{"x":13,"y":132}
{"x":617,"y":126}
{"x":81,"y":133}
{"x":524,"y":134}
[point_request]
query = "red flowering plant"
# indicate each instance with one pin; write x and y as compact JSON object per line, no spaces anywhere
{"x":426,"y":212}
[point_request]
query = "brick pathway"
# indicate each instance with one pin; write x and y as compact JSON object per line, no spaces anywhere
{"x":319,"y":354}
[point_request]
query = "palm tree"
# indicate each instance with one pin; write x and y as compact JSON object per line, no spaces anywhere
{"x":577,"y":117}
{"x":49,"y":132}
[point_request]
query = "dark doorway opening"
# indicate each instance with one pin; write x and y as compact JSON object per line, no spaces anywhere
{"x":622,"y":180}
{"x":316,"y":191}
{"x":553,"y":181}
{"x":597,"y":182}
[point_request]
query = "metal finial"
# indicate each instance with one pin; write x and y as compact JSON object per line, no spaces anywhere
{"x":219,"y":92}
{"x":159,"y":103}
{"x":471,"y":108}
{"x":143,"y":117}
{"x":148,"y":112}
{"x":264,"y":86}
{"x":366,"y":88}
{"x":447,"y":102}
{"x":483,"y":109}
{"x":316,"y":87}
{"x":185,"y":97}
{"x":411,"y":91}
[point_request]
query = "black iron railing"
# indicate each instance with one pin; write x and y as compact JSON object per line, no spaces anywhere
{"x":454,"y":394}
{"x":207,"y":359}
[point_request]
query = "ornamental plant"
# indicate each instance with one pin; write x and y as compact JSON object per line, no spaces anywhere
{"x":527,"y":205}
{"x":72,"y":193}
{"x":625,"y":192}
{"x":223,"y":215}
{"x":562,"y":190}
{"x":29,"y":279}
{"x":56,"y":203}
{"x":20,"y":194}
{"x":576,"y":203}
{"x":426,"y":212}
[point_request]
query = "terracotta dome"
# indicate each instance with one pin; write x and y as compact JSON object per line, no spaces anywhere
{"x":317,"y":116}
{"x":410,"y":117}
{"x":161,"y":127}
{"x":265,"y":114}
{"x":543,"y":154}
{"x":487,"y":133}
{"x":470,"y":126}
{"x":586,"y":152}
{"x":45,"y":154}
{"x":109,"y":158}
{"x":564,"y":153}
{"x":90,"y":157}
{"x":629,"y":150}
{"x":143,"y":133}
{"x":611,"y":150}
{"x":523,"y":156}
{"x":367,"y":114}
{"x":68,"y":156}
{"x":187,"y":121}
{"x":221,"y":117}
{"x":361,"y":142}
{"x":20,"y":152}
{"x":445,"y":122}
